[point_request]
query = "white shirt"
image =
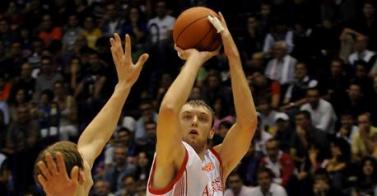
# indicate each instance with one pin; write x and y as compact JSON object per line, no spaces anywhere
{"x":159,"y":28}
{"x":366,"y":55}
{"x":283,"y":70}
{"x":323,"y":117}
{"x":275,"y":190}
{"x":245,"y":191}
{"x":195,"y":178}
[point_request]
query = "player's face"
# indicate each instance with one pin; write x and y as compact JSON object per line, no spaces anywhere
{"x":196,"y":123}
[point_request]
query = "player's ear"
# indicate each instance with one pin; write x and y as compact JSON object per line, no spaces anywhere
{"x":211,"y":133}
{"x":82,"y":178}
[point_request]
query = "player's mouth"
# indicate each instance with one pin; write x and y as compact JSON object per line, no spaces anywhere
{"x":194,"y":132}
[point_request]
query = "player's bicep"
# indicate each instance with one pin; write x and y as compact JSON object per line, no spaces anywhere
{"x":169,"y":138}
{"x":235,"y":145}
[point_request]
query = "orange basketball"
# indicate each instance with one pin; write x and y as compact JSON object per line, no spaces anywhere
{"x":193,"y":30}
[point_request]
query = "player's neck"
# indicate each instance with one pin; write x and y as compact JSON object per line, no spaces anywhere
{"x":201,"y":152}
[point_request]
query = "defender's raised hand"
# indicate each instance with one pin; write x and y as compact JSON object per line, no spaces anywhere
{"x":54,"y":178}
{"x":127,"y":71}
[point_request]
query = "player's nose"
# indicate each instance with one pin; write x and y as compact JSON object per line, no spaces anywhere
{"x":194,"y":120}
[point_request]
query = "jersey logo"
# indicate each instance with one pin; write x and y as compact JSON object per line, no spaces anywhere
{"x":208,"y":167}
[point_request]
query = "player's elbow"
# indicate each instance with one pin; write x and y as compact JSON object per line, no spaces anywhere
{"x":249,"y":123}
{"x":167,"y":108}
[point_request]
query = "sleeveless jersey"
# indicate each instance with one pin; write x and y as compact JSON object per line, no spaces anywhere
{"x":196,"y":177}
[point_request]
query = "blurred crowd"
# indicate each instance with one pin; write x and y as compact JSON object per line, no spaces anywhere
{"x":311,"y":66}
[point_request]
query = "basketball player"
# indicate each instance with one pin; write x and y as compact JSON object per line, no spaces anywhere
{"x":183,"y":163}
{"x":62,"y":158}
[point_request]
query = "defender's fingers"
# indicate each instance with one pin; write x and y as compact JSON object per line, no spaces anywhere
{"x":43,"y":169}
{"x":142,"y":59}
{"x":42,"y":181}
{"x":75,"y":175}
{"x":51,"y":165}
{"x":60,"y":163}
{"x":128,"y":51}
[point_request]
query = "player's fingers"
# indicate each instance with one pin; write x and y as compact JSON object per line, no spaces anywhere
{"x":42,"y":181}
{"x":43,"y":169}
{"x":51,"y":165}
{"x":60,"y":163}
{"x":75,"y":174}
{"x":118,"y":43}
{"x":142,"y":59}
{"x":221,"y":17}
{"x":112,"y":42}
{"x":216,"y":23}
{"x":128,"y":51}
{"x":82,"y":177}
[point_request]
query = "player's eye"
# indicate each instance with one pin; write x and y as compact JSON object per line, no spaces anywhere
{"x":203,"y":118}
{"x":187,"y":116}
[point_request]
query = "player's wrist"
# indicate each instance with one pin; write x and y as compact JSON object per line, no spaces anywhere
{"x":123,"y":86}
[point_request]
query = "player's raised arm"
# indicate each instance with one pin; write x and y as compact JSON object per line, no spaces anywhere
{"x":169,"y":148}
{"x":100,"y":129}
{"x":237,"y":141}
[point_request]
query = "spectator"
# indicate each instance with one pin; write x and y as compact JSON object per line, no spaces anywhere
{"x":306,"y":136}
{"x":147,"y":114}
{"x":322,"y":186}
{"x":91,"y":32}
{"x":72,"y":32}
{"x":221,"y":113}
{"x":112,"y":22}
{"x":279,"y":162}
{"x":362,"y":143}
{"x":362,"y":53}
{"x":283,"y":131}
{"x":347,"y":128}
{"x":142,"y":167}
{"x":356,"y":101}
{"x":135,"y":26}
{"x":281,"y":67}
{"x":123,"y":137}
{"x":25,"y":81}
{"x":5,"y":175}
{"x":265,"y":88}
{"x":121,"y":168}
{"x":128,"y":186}
{"x":261,"y":136}
{"x":160,"y":27}
{"x":367,"y":176}
{"x":236,"y":186}
{"x":295,"y":94}
{"x":252,"y":37}
{"x":322,"y":113}
{"x":266,"y":186}
{"x":336,"y":83}
{"x":5,"y":89}
{"x":48,"y":32}
{"x":47,"y":76}
{"x":279,"y":33}
{"x":48,"y":113}
{"x":337,"y":164}
{"x":68,"y":112}
{"x":249,"y":166}
{"x":101,"y":188}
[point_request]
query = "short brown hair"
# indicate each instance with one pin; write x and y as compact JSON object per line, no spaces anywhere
{"x":71,"y":156}
{"x":198,"y":102}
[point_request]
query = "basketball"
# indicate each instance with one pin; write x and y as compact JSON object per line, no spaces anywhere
{"x":193,"y":30}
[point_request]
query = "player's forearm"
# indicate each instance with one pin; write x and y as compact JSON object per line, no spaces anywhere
{"x":180,"y":89}
{"x":243,"y":101}
{"x":101,"y":128}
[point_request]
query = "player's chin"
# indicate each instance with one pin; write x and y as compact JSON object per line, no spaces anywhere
{"x":191,"y":139}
